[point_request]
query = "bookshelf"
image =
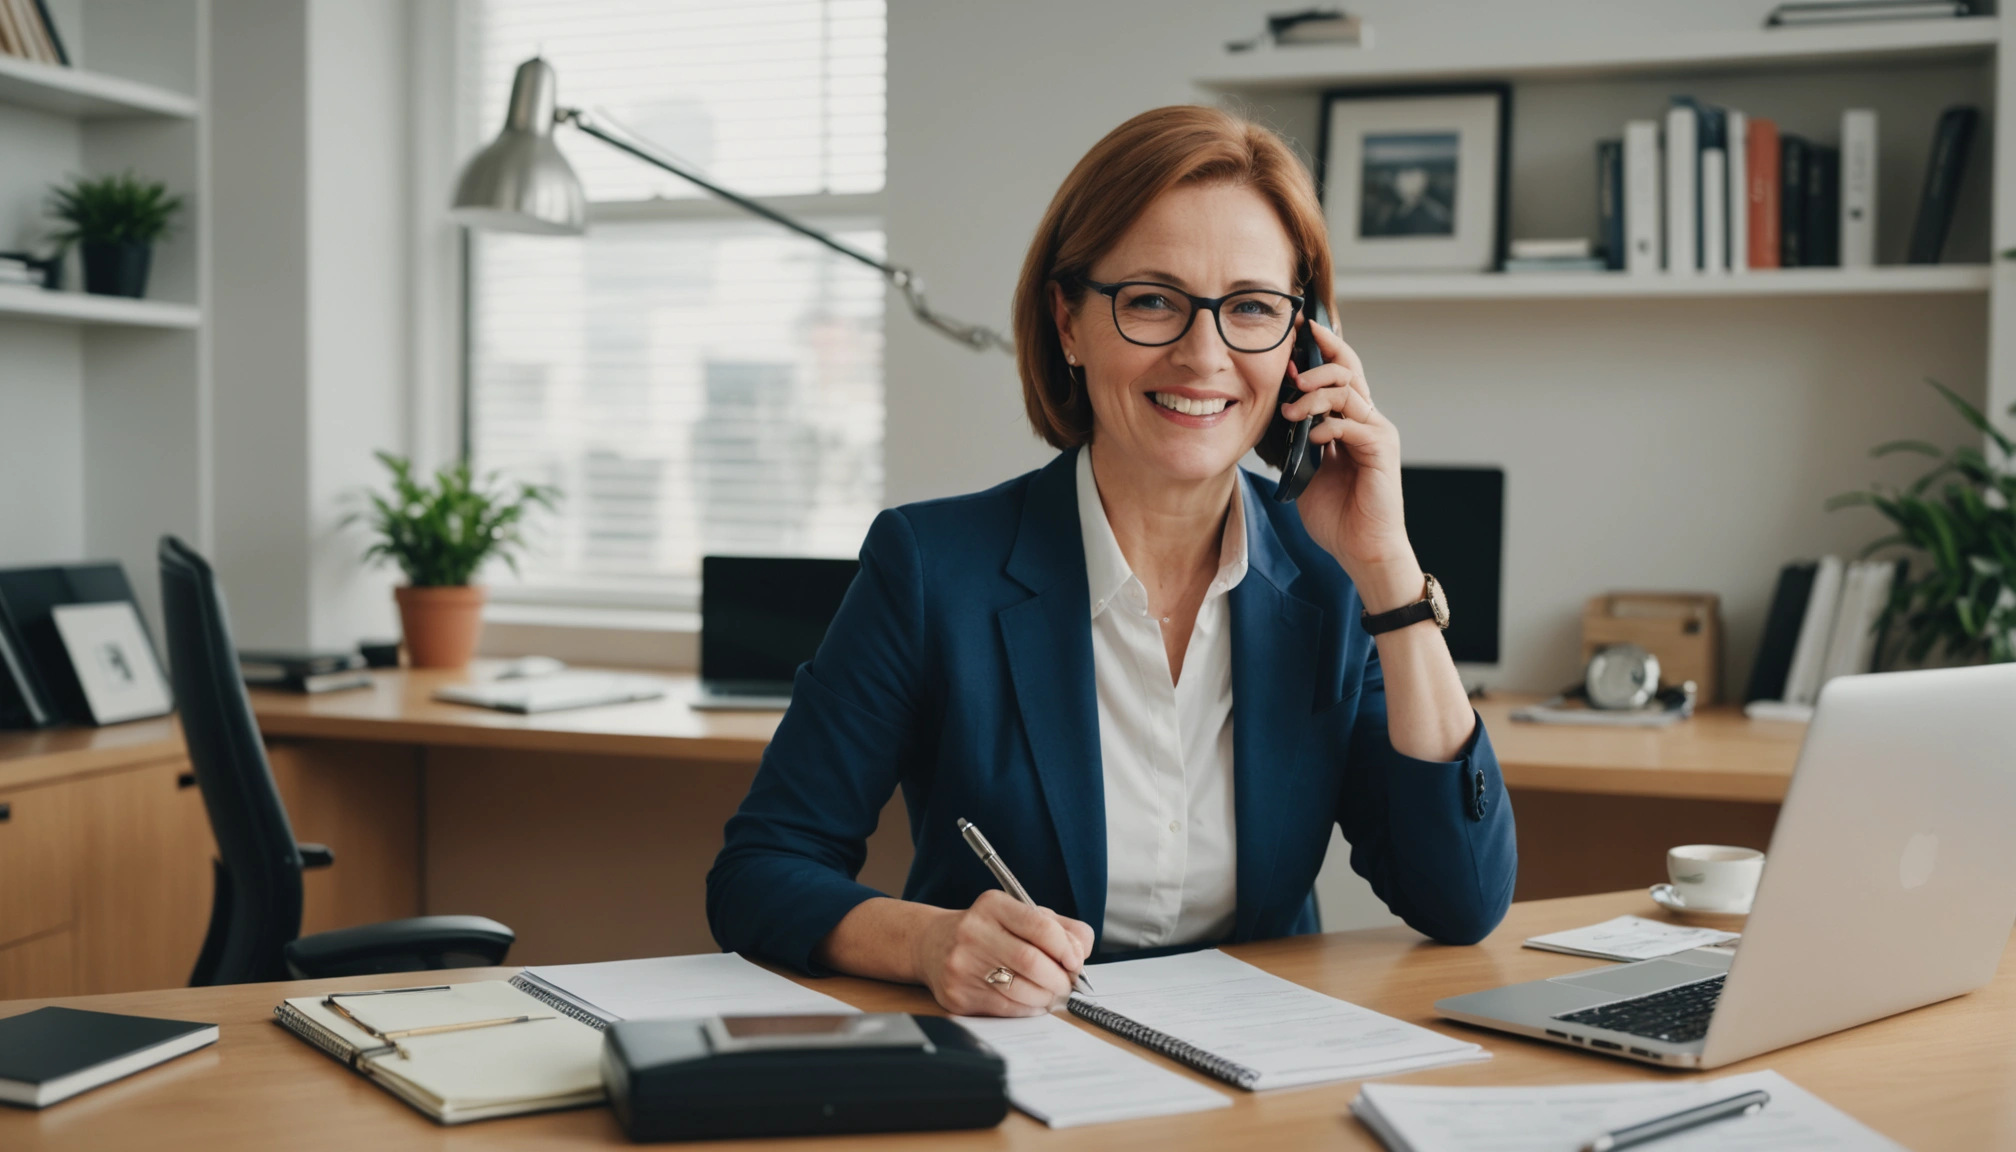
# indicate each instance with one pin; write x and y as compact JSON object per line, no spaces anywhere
{"x":1941,"y":279}
{"x":106,"y":441}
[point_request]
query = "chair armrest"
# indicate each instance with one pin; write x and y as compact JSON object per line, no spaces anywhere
{"x":413,"y":945}
{"x":315,"y":855}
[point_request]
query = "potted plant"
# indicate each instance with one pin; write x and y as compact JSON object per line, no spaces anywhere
{"x":116,"y":221}
{"x":1961,"y":516}
{"x":440,"y":535}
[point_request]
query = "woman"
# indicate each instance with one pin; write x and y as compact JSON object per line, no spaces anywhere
{"x":1152,"y":685}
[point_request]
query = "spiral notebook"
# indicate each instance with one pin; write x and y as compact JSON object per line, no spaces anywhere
{"x":1254,"y":1030}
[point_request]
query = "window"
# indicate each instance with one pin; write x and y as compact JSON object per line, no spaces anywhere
{"x":694,"y":380}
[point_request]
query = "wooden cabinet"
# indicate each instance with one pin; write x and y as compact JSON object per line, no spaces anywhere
{"x":35,"y":873}
{"x":39,"y":966}
{"x":142,"y":871}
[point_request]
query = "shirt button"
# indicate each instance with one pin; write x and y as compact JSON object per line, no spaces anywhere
{"x":1174,"y":826}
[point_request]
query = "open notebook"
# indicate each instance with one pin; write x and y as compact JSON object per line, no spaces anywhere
{"x":457,"y":1074}
{"x":1255,"y":1030}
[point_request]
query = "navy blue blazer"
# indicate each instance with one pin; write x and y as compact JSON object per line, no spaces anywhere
{"x":959,"y":667}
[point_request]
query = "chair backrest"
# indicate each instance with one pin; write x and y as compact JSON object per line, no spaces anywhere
{"x":258,"y":909}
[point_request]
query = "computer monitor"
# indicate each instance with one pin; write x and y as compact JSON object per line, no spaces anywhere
{"x":1456,"y":519}
{"x":763,"y":616}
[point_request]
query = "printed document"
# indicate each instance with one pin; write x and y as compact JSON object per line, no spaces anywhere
{"x":1630,"y":938}
{"x":669,"y":987}
{"x":1065,"y":1076}
{"x":1565,"y":1117}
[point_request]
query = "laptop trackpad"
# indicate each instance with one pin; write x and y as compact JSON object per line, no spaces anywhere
{"x":1635,"y":979}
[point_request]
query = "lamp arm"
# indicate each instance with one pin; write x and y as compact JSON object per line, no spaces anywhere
{"x":902,"y":279}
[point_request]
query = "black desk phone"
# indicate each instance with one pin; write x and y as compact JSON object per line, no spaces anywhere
{"x":1300,"y":461}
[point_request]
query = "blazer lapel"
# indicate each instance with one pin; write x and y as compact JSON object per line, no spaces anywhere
{"x":1049,"y":644}
{"x":1275,"y":637}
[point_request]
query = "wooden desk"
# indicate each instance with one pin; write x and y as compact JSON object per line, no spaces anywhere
{"x":1941,"y":1077}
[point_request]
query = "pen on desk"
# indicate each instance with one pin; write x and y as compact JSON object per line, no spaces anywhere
{"x":981,"y":848}
{"x":1678,"y":1122}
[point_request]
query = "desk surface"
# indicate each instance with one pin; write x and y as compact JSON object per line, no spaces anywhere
{"x":1940,"y":1077}
{"x":1719,"y":755}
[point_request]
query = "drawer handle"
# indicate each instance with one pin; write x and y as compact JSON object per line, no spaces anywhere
{"x":6,"y":812}
{"x":186,"y":780}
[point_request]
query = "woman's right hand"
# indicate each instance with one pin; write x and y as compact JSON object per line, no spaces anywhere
{"x":1044,"y":951}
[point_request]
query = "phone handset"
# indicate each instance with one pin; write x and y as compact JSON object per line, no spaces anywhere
{"x":1299,"y":463}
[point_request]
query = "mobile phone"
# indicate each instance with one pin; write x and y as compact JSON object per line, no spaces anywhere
{"x":1299,"y":463}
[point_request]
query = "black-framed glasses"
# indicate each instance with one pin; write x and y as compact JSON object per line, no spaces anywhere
{"x":1152,"y":314}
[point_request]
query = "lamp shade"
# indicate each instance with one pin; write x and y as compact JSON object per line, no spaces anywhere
{"x":521,"y":182}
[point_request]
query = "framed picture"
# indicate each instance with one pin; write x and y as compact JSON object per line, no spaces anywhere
{"x":1413,"y":179}
{"x":115,"y":664}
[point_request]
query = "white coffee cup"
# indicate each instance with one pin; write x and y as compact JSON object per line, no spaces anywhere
{"x":1715,"y":877}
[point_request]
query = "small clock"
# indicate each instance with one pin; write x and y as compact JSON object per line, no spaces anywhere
{"x":1621,"y":676}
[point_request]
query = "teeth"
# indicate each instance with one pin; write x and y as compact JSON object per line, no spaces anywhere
{"x":1187,"y":406}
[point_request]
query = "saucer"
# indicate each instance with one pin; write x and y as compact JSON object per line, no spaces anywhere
{"x":1664,"y":896}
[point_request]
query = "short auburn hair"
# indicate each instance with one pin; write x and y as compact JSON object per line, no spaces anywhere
{"x":1106,"y":193}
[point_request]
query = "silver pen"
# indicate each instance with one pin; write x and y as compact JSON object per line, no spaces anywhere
{"x":981,"y":848}
{"x":1746,"y":1104}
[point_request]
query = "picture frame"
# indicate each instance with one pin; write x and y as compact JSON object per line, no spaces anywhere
{"x":1415,"y":179}
{"x":114,"y":661}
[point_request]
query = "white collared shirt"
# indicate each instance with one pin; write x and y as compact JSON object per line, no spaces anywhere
{"x":1166,"y":748}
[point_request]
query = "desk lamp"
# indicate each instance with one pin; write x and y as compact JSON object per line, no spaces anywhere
{"x":521,"y":183}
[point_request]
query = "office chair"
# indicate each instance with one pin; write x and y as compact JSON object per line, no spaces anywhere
{"x":255,"y":914}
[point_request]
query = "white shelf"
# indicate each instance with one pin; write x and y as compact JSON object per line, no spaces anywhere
{"x":82,"y":308}
{"x":1314,"y":67}
{"x":1931,"y":279}
{"x":89,"y":95}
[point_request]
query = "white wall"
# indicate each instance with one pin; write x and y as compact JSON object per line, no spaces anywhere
{"x":1647,"y":444}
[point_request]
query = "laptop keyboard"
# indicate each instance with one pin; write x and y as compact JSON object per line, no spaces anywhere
{"x":1675,"y":1015}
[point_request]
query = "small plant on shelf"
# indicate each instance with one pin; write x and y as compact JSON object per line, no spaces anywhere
{"x":440,"y":534}
{"x":115,"y":221}
{"x":1961,"y":517}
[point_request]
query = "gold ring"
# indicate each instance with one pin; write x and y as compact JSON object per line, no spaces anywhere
{"x":1002,"y":977}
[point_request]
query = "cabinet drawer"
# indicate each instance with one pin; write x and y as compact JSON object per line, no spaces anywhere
{"x":43,"y":966}
{"x":34,"y":861}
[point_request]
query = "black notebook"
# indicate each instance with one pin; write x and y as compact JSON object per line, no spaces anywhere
{"x":52,"y":1054}
{"x":1781,"y":633}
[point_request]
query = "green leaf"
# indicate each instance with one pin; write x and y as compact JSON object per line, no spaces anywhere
{"x":441,"y":534}
{"x":1921,"y":447}
{"x":1974,"y":417}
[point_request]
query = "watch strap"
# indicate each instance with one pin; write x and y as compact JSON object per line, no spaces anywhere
{"x":1401,"y":617}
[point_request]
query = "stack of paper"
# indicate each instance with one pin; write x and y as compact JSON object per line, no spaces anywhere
{"x":1566,"y":1117}
{"x":1065,"y":1077}
{"x":670,"y":987}
{"x":1630,"y":938}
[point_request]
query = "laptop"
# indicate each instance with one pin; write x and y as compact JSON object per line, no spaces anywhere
{"x":760,"y":618}
{"x":1890,"y":884}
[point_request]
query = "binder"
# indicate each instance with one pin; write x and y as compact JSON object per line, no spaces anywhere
{"x":1858,"y":188}
{"x":1643,"y":224}
{"x":1683,"y":256}
{"x":1737,"y":193}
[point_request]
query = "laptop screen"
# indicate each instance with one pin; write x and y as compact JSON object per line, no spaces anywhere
{"x":762,"y":616}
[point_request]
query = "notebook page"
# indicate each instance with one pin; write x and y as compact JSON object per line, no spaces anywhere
{"x":1289,"y":1034}
{"x":669,"y":987}
{"x":1565,"y":1117}
{"x":1630,"y":938}
{"x":1064,"y":1076}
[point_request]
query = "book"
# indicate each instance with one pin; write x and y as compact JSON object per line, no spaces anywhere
{"x":316,"y":685}
{"x":1761,"y":175}
{"x":709,"y":984}
{"x":1566,"y":248}
{"x":1816,"y":627}
{"x":1439,"y":1118}
{"x":1822,"y":244}
{"x":1737,"y":192}
{"x":1853,"y":647}
{"x":1713,"y":192}
{"x":1610,"y":202}
{"x":277,"y":667}
{"x":1630,"y":938}
{"x":1781,"y":633}
{"x":1644,"y":225}
{"x":1818,"y":12}
{"x":1252,"y":1029}
{"x":52,"y":1054}
{"x":456,"y":1053}
{"x":1574,"y":264}
{"x":1791,"y":201}
{"x":1951,"y":141}
{"x":1858,"y":188}
{"x":1683,"y":255}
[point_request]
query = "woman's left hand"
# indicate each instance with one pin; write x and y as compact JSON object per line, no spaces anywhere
{"x":1352,"y":508}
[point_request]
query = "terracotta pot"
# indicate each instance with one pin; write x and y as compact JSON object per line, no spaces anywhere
{"x":441,"y":624}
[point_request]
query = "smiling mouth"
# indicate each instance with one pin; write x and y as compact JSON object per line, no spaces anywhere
{"x":1189,"y":406}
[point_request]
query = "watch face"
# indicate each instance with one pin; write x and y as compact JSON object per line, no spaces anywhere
{"x":1438,"y":602}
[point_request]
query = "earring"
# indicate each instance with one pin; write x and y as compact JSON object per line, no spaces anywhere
{"x":1070,"y":359}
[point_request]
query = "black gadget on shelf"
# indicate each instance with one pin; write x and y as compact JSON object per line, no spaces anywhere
{"x":760,"y":618}
{"x":725,"y":1077}
{"x":38,"y":686}
{"x":1300,"y":461}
